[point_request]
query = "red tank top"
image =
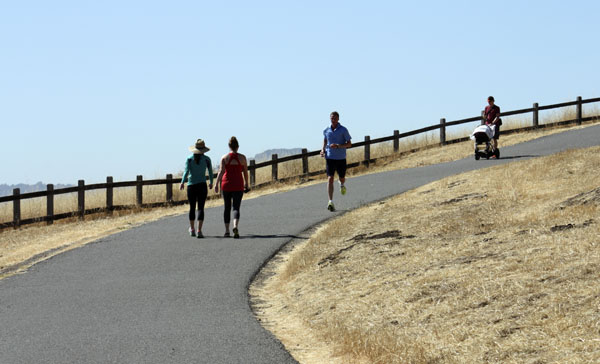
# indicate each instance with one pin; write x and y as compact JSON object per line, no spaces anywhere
{"x":232,"y":178}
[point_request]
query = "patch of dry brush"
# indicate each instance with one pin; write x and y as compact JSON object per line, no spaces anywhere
{"x":493,"y":266}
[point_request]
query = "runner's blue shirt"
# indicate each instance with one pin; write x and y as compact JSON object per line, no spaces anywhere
{"x":338,"y":136}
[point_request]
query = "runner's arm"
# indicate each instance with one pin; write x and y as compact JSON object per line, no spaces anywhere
{"x":220,"y":175}
{"x":324,"y":146}
{"x":348,"y":139}
{"x":210,"y":171}
{"x":185,"y":174}
{"x":348,"y":144}
{"x":245,"y":171}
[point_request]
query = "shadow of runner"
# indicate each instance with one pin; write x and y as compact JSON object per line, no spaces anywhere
{"x":251,"y":236}
{"x":271,"y":236}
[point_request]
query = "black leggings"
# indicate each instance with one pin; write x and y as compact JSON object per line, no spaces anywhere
{"x":236,"y":197}
{"x":197,"y":194}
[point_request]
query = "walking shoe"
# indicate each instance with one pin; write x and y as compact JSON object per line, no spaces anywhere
{"x":236,"y":234}
{"x":199,"y":235}
{"x":192,"y":232}
{"x":226,"y":235}
{"x":330,"y":206}
{"x":343,"y":189}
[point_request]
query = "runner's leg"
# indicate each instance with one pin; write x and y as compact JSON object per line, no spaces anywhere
{"x":330,"y":187}
{"x":192,"y":199}
{"x":237,"y":202}
{"x":227,"y":213}
{"x":341,"y":170}
{"x":330,"y":167}
{"x":202,"y":194}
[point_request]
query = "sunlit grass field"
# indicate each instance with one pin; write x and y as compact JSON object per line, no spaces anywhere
{"x":491,"y":266}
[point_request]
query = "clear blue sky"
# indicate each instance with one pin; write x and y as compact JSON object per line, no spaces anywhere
{"x":96,"y":88}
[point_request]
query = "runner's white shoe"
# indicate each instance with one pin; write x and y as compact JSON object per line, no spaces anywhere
{"x":330,"y":206}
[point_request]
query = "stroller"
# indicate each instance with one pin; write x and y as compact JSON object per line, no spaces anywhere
{"x":482,"y":135}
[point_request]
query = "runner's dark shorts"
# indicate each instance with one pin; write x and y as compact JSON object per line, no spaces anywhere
{"x":336,"y":165}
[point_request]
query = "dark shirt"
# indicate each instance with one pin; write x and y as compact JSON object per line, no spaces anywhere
{"x":491,"y":112}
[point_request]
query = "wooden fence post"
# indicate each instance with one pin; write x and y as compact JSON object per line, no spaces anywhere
{"x":579,"y":110}
{"x":536,"y":115}
{"x":274,"y":167}
{"x":443,"y":131}
{"x":396,"y":141}
{"x":81,"y":198}
{"x":305,"y":162}
{"x":16,"y":207}
{"x":252,"y":170}
{"x":367,"y":150}
{"x":139,"y":188}
{"x":109,"y":195}
{"x":50,"y":204}
{"x":169,"y":198}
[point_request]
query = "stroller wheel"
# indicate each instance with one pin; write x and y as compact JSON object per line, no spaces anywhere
{"x":476,"y":156}
{"x":497,"y":153}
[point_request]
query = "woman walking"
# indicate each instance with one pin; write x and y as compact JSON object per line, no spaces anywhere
{"x":233,"y":180}
{"x":196,"y":167}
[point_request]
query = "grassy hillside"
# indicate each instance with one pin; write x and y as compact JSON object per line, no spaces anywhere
{"x":493,"y":266}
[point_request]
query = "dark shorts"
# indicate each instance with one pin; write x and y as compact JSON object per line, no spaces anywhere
{"x":336,"y":165}
{"x":496,"y":131}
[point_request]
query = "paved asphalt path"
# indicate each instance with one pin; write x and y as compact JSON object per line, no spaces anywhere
{"x":152,"y":294}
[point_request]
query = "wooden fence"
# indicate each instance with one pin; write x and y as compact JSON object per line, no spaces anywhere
{"x":109,"y":186}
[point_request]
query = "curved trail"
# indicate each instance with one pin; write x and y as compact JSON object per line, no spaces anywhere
{"x":152,"y":294}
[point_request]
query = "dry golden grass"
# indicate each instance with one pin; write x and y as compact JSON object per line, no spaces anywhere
{"x":497,"y":266}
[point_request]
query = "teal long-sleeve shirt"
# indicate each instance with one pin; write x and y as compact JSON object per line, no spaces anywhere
{"x":196,"y":173}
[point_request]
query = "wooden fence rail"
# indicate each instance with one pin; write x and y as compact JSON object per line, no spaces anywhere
{"x":139,"y":183}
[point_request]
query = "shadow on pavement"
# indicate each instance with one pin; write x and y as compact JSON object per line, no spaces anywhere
{"x":271,"y":236}
{"x":519,"y":156}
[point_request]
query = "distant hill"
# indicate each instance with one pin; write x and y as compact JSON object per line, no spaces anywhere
{"x":282,"y":152}
{"x":7,"y":190}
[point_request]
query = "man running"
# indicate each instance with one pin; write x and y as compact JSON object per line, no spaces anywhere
{"x":337,"y":139}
